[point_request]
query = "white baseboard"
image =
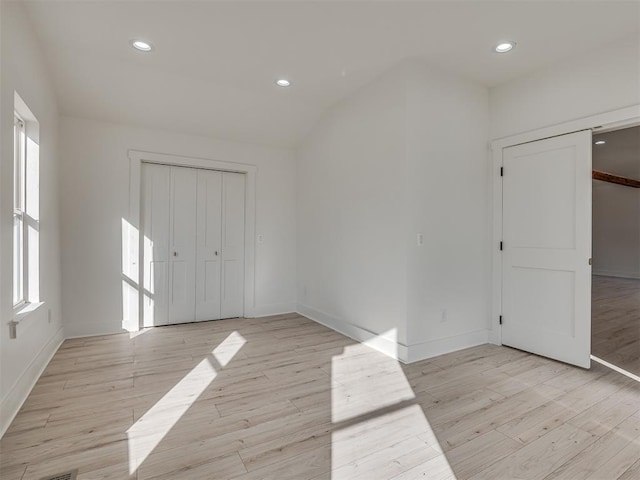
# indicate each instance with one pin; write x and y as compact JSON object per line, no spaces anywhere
{"x":274,"y":309}
{"x":389,"y":346}
{"x":433,"y":348}
{"x":72,"y":331}
{"x":383,"y":344}
{"x":262,"y":311}
{"x":13,"y":400}
{"x":89,"y":335}
{"x":612,"y":273}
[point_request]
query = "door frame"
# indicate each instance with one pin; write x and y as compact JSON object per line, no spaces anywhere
{"x":137,"y":157}
{"x":603,"y":122}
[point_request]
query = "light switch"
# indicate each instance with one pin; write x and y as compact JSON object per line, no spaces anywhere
{"x":420,"y":240}
{"x":260,"y":238}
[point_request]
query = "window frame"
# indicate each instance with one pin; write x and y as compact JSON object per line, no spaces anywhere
{"x":20,"y":251}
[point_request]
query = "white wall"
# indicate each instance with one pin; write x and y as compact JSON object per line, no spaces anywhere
{"x":616,"y":208}
{"x":405,"y":155}
{"x":597,"y":82}
{"x":448,"y":279}
{"x":616,"y":230}
{"x":352,"y":214}
{"x":95,"y":199}
{"x":22,"y":70}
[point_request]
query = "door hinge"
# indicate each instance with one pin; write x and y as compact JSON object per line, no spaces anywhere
{"x":501,"y":246}
{"x":502,"y":171}
{"x":500,"y":319}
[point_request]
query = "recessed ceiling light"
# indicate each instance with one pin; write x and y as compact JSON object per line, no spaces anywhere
{"x":141,"y":45}
{"x":504,"y":47}
{"x":283,"y":82}
{"x":600,"y":142}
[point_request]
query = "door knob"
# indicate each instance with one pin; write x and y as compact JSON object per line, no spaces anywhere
{"x":216,"y":253}
{"x":175,"y":254}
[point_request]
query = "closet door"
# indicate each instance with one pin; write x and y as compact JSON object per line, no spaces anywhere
{"x":156,"y":180}
{"x":233,"y":200}
{"x":182,"y":242}
{"x":209,"y":243}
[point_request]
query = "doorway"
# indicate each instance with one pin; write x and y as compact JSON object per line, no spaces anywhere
{"x":615,"y":336}
{"x":608,"y":123}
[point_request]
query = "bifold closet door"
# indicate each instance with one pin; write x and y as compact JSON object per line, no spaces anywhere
{"x":182,"y":245}
{"x":209,"y":245}
{"x":156,"y":185}
{"x":193,"y":246}
{"x":233,"y":211}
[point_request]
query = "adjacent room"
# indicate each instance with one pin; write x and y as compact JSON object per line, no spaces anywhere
{"x":616,"y":248}
{"x":304,"y":240}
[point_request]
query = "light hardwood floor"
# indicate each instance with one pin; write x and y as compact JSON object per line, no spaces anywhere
{"x":285,"y":398}
{"x":615,"y":329}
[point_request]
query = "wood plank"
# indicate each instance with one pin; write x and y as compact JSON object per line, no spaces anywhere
{"x":632,"y":473}
{"x":393,"y":461}
{"x":541,"y":457}
{"x":602,"y":454}
{"x":617,"y":179}
{"x":480,"y":453}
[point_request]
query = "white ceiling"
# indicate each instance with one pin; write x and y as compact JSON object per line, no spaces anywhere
{"x":215,"y":62}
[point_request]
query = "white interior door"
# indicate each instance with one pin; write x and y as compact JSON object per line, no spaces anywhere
{"x":182,"y":245}
{"x":546,"y":298}
{"x":156,"y":180}
{"x":233,"y":198}
{"x":209,"y":245}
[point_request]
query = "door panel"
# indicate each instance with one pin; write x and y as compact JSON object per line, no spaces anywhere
{"x":233,"y":205}
{"x":546,"y":198}
{"x":211,"y":290}
{"x":209,"y":243}
{"x":156,"y":181}
{"x":547,"y":245}
{"x":182,"y":273}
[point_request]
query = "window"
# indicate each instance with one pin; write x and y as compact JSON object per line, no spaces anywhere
{"x":26,"y":209}
{"x":20,"y":284}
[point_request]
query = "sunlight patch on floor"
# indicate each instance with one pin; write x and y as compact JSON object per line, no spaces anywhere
{"x":364,"y":381}
{"x":381,"y":432}
{"x":137,"y":333}
{"x":229,"y":348}
{"x":147,"y":433}
{"x":385,"y":446}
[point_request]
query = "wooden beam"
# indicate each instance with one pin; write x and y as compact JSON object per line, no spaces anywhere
{"x":608,"y":177}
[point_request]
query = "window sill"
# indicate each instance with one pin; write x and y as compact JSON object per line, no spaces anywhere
{"x":25,"y":310}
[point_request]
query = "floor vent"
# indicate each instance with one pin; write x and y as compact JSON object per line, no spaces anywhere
{"x":62,"y":476}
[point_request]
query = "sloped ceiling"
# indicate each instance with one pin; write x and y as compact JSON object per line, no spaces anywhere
{"x":215,"y":62}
